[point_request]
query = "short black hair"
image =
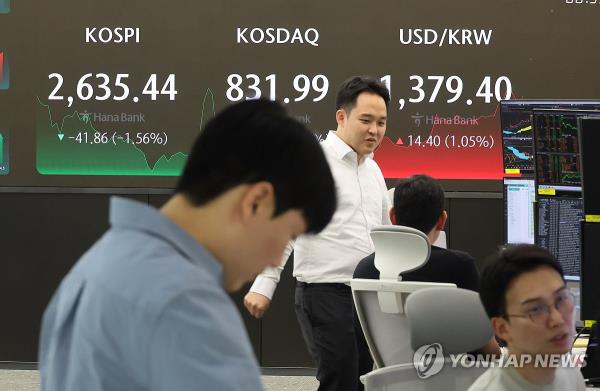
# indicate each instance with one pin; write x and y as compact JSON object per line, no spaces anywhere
{"x":256,"y":141}
{"x":351,"y":88}
{"x":418,"y":202}
{"x":504,"y":267}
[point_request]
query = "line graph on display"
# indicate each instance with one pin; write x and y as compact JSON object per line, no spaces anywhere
{"x":522,"y":128}
{"x":59,"y":150}
{"x":516,"y":154}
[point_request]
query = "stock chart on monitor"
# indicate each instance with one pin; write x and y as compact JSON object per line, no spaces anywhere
{"x":517,"y":142}
{"x":517,"y":129}
{"x":113,"y":93}
{"x":557,"y":148}
{"x":557,"y":155}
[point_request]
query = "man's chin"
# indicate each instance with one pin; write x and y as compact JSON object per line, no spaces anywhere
{"x":558,"y":350}
{"x":368,"y":151}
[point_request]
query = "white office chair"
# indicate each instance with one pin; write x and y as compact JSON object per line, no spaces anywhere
{"x":404,"y":377}
{"x":399,"y":249}
{"x":456,"y":320}
{"x":454,"y":316}
{"x":380,"y":303}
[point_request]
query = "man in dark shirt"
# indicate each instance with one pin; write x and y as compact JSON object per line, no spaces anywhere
{"x":443,"y":266}
{"x":419,"y":204}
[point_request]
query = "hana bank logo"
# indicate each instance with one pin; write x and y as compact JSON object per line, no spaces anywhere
{"x":428,"y":360}
{"x":4,"y":6}
{"x":4,"y":71}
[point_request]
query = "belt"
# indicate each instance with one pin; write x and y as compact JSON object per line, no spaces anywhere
{"x":335,"y":285}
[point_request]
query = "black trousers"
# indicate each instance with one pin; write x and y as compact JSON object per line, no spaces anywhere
{"x":325,"y":313}
{"x":365,"y":361}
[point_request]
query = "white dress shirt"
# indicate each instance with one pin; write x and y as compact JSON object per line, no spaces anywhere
{"x":332,"y":255}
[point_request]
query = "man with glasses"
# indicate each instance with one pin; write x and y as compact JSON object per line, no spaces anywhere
{"x":525,"y":295}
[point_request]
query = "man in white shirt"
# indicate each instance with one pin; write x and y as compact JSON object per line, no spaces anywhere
{"x":524,"y":293}
{"x":324,"y":263}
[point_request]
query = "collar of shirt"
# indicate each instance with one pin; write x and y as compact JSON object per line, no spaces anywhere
{"x":135,"y":215}
{"x":341,"y":149}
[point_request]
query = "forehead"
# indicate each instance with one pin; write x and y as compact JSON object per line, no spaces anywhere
{"x":541,"y":282}
{"x":368,"y":103}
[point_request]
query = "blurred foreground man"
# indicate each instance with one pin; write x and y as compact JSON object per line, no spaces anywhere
{"x":524,"y":293}
{"x":146,"y":308}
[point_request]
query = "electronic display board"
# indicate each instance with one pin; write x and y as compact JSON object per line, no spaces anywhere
{"x":112,"y":93}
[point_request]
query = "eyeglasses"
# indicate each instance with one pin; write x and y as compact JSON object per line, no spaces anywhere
{"x":540,"y":313}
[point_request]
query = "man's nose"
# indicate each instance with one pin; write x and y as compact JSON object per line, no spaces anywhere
{"x":555,"y":316}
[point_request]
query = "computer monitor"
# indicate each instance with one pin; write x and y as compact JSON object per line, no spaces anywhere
{"x":589,"y":137}
{"x":590,"y":270}
{"x":558,"y":229}
{"x":517,"y":129}
{"x":556,"y":145}
{"x":517,"y":139}
{"x":519,"y":198}
{"x":591,"y":369}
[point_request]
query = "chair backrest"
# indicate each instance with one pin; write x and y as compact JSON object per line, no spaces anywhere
{"x":404,"y":377}
{"x":399,"y":249}
{"x":455,"y":319}
{"x":387,"y":332}
{"x":452,"y":317}
{"x":380,"y":303}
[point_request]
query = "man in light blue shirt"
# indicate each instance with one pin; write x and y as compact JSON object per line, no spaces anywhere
{"x":146,"y":308}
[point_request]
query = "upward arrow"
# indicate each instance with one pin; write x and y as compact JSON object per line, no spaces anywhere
{"x":61,"y":136}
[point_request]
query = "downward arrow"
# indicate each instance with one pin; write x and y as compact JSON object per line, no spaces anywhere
{"x":61,"y":136}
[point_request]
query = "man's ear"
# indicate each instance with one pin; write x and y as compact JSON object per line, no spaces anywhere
{"x":393,"y":215}
{"x":258,"y":198}
{"x":501,"y":328}
{"x":340,"y":117}
{"x":441,"y":223}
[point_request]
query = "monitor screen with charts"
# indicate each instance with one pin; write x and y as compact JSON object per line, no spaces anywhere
{"x":517,"y":129}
